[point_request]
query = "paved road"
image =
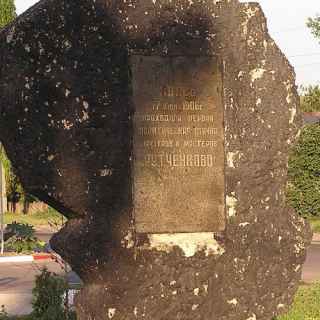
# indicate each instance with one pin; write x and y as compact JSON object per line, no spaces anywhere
{"x":44,"y":236}
{"x":16,"y":283}
{"x":311,"y":268}
{"x":17,"y":280}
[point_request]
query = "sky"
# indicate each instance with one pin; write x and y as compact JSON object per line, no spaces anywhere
{"x":287,"y":26}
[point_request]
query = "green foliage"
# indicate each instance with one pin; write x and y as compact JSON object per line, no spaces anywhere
{"x":24,"y":246}
{"x":7,"y":12}
{"x":14,"y":189}
{"x":22,"y":239}
{"x":21,"y":230}
{"x":314,"y":25}
{"x":310,"y":99}
{"x":40,"y":218}
{"x":303,"y":192}
{"x":315,"y":224}
{"x":48,"y":298}
{"x":306,"y":304}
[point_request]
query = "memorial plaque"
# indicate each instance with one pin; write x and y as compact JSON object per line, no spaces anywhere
{"x":178,"y":147}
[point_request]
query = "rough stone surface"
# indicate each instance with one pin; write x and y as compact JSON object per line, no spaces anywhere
{"x":66,"y":125}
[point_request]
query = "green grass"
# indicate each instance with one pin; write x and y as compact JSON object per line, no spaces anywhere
{"x":306,"y":304}
{"x":36,"y":219}
{"x":315,"y":224}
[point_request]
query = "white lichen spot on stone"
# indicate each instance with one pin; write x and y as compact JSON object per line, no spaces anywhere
{"x":257,"y":74}
{"x":128,"y":241}
{"x":173,"y":282}
{"x":51,"y":157}
{"x":251,"y":41}
{"x":231,"y":203}
{"x":244,"y":224}
{"x":289,"y":99}
{"x":27,"y":48}
{"x":67,"y":44}
{"x":174,"y":293}
{"x":231,"y":157}
{"x":111,"y":312}
{"x":194,"y":307}
{"x":259,"y":101}
{"x":67,"y":124}
{"x":240,"y":75}
{"x":85,"y":104}
{"x":244,"y":26}
{"x":85,"y":116}
{"x":106,"y":172}
{"x":299,"y":247}
{"x":135,"y":311}
{"x":189,"y":243}
{"x":293,"y":113}
{"x":251,"y":12}
{"x":234,"y":301}
{"x":196,"y":291}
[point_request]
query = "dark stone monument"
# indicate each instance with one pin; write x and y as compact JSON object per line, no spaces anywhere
{"x":161,"y":129}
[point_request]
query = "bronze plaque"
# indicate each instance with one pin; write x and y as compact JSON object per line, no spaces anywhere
{"x":178,"y":152}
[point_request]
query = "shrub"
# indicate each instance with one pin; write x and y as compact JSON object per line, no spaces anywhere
{"x":14,"y":190}
{"x":48,"y":298}
{"x":310,"y":99}
{"x":7,"y":12}
{"x":24,"y":246}
{"x":21,"y":230}
{"x":304,"y":173}
{"x":22,"y":238}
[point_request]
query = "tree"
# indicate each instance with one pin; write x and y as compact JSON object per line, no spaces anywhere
{"x":304,"y":173}
{"x":7,"y":12}
{"x":310,"y":99}
{"x":314,"y":25}
{"x":14,"y":188}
